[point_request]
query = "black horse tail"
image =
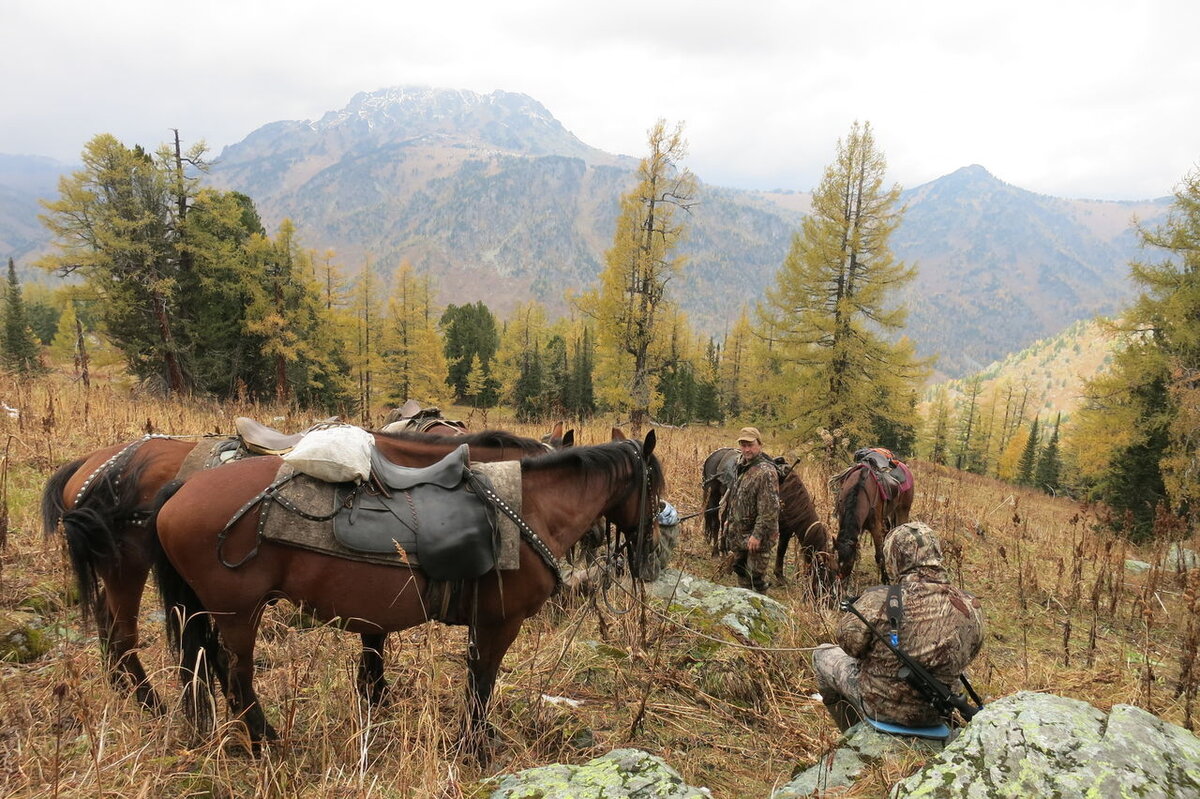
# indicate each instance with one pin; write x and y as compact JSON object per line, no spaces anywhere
{"x":191,"y":633}
{"x":92,"y":529}
{"x":849,"y":527}
{"x":54,"y":507}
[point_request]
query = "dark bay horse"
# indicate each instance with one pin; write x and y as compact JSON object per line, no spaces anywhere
{"x":865,"y":501}
{"x":562,"y":494}
{"x":797,"y":519}
{"x":103,"y":502}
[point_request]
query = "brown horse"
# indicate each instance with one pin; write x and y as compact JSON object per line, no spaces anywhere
{"x":103,"y":503}
{"x":562,"y":494}
{"x":412,"y":418}
{"x":797,"y":519}
{"x":865,"y":502}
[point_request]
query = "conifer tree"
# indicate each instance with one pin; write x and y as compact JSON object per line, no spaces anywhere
{"x":1049,"y":464}
{"x":631,"y":306}
{"x":1025,"y":470}
{"x":939,"y":423}
{"x":19,"y":348}
{"x":836,"y":298}
{"x":412,"y":347}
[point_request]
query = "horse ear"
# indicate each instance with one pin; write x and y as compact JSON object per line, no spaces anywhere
{"x":557,"y":430}
{"x":568,"y":439}
{"x":648,"y":446}
{"x":618,"y":434}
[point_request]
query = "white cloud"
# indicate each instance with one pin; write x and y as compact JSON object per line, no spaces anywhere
{"x":1072,"y":98}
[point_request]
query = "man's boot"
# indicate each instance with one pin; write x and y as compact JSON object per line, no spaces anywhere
{"x":844,"y":714}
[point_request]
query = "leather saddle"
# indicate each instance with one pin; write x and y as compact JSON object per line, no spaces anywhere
{"x":413,"y":418}
{"x":431,"y":513}
{"x":259,"y":439}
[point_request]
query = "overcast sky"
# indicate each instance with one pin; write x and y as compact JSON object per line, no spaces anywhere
{"x":1092,"y":99}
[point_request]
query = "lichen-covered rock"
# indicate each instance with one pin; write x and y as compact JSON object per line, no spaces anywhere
{"x":620,"y":774}
{"x":858,"y":749}
{"x":1136,"y":566}
{"x":1182,"y":558}
{"x":1032,"y":744}
{"x":712,"y":608}
{"x":21,"y":638}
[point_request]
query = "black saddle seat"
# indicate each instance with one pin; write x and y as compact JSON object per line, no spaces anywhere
{"x":447,"y":473}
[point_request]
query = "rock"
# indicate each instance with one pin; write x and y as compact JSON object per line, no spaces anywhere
{"x":1032,"y":744}
{"x":1136,"y":566}
{"x":1181,"y":558}
{"x":620,"y":774}
{"x":21,"y":637}
{"x":721,"y":609}
{"x":857,"y":750}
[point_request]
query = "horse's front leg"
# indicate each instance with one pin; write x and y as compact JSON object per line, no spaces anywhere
{"x":491,"y":645}
{"x":372,"y":686}
{"x":785,"y":538}
{"x":877,"y":534}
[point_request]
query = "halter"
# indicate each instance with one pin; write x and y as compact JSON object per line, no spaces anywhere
{"x":643,"y":481}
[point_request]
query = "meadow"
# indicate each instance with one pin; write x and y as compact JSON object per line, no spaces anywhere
{"x":1064,"y":616}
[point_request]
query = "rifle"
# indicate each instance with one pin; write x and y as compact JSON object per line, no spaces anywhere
{"x":938,"y":693}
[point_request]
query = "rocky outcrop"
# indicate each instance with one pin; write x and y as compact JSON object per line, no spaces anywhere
{"x":22,"y":638}
{"x":858,"y":750}
{"x":620,"y":774}
{"x":729,"y":612}
{"x":1032,"y":744}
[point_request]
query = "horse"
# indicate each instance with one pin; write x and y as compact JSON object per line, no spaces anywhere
{"x":863,"y":503}
{"x":562,"y":493}
{"x":103,"y":501}
{"x":797,"y":518}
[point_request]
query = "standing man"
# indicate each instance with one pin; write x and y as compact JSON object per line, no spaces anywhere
{"x":751,"y":512}
{"x":936,"y":624}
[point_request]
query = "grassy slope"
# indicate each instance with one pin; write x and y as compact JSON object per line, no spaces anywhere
{"x":1049,"y":584}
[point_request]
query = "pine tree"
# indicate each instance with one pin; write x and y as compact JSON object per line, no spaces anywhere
{"x":1049,"y":465}
{"x":631,"y":306}
{"x":412,"y":347}
{"x":1136,"y":437}
{"x":19,"y":348}
{"x":835,"y":300}
{"x":939,"y":424}
{"x":1025,"y":469}
{"x":119,"y":222}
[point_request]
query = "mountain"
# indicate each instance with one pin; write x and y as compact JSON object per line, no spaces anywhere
{"x":493,"y":196}
{"x":24,"y":179}
{"x":1054,"y":369}
{"x":1001,"y":267}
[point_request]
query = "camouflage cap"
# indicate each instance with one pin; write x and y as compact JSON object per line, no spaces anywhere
{"x":911,"y":546}
{"x":749,"y":434}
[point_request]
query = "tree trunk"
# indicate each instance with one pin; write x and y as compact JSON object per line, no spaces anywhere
{"x":175,"y":381}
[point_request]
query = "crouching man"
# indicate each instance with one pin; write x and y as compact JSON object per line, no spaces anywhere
{"x":936,"y":624}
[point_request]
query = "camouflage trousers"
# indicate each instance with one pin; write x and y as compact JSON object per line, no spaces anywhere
{"x":838,"y":682}
{"x":751,"y":567}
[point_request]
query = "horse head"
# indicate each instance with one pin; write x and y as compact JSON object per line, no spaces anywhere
{"x":853,"y":506}
{"x":634,"y":511}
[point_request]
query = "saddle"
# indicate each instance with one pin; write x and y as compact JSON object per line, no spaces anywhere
{"x":259,"y":439}
{"x":431,"y":514}
{"x":413,"y":418}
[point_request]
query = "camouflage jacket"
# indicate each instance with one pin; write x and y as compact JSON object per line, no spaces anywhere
{"x":751,"y":506}
{"x":941,"y":628}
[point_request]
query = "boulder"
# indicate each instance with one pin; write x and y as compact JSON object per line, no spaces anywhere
{"x":21,"y":637}
{"x":1181,"y":558}
{"x":860,"y":748}
{"x":620,"y":774}
{"x":1031,"y":744}
{"x":734,"y":613}
{"x":1136,"y":566}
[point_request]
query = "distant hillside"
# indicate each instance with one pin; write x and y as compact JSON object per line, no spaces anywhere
{"x":1055,"y":369}
{"x":492,"y":195}
{"x":23,"y":180}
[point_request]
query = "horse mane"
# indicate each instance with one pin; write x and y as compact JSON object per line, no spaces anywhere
{"x":484,"y":438}
{"x":848,"y":527}
{"x":611,"y":461}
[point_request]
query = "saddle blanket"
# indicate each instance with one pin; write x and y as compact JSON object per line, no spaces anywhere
{"x":318,"y":498}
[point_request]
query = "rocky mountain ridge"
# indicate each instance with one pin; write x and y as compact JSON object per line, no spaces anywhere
{"x":493,"y":196}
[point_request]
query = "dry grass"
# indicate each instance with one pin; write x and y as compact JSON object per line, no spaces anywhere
{"x":1063,"y":616}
